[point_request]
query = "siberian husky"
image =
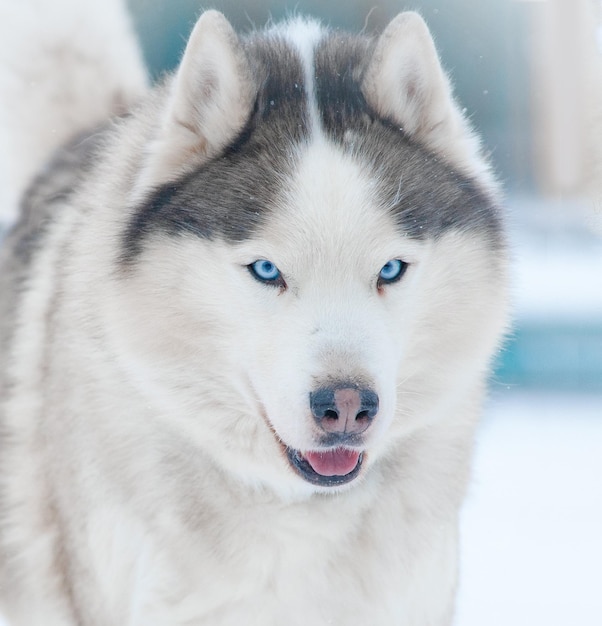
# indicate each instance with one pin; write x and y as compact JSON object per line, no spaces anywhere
{"x":246,"y":325}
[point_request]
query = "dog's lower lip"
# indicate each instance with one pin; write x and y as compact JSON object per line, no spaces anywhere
{"x":300,"y":464}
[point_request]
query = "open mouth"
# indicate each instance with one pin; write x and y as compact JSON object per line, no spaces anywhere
{"x":327,"y":468}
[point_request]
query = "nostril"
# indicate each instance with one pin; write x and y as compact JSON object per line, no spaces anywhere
{"x":322,"y":404}
{"x":369,"y":403}
{"x":330,"y":414}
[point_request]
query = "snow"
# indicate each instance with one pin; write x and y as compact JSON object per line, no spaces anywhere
{"x":532,"y":524}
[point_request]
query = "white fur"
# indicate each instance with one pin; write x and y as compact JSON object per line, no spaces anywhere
{"x":148,"y":484}
{"x":304,"y":35}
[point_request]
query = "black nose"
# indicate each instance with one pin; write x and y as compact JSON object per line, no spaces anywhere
{"x":343,"y":410}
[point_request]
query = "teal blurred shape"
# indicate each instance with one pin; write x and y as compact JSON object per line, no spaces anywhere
{"x":562,"y":356}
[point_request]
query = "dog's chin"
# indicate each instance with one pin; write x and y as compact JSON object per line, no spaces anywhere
{"x":327,"y":468}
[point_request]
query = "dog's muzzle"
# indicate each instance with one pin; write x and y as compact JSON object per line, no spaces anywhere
{"x":343,"y":413}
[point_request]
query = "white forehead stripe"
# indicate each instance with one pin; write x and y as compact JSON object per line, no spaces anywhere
{"x":304,"y":35}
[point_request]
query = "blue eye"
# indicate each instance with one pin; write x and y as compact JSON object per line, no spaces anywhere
{"x":391,"y":272}
{"x":266,"y":272}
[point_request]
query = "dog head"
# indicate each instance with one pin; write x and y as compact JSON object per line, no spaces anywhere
{"x":312,"y":266}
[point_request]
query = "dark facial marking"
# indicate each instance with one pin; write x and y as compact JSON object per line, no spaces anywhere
{"x":425,"y":194}
{"x":229,"y":196}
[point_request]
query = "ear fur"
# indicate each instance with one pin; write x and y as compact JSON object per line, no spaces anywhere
{"x":405,"y":82}
{"x":210,"y":100}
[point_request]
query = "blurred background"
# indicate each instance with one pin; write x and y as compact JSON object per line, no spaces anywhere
{"x":530,"y":76}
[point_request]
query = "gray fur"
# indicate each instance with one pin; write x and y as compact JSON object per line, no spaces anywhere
{"x":247,"y":174}
{"x":42,"y":203}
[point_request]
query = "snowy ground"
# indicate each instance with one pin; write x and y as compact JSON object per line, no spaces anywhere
{"x":532,"y":525}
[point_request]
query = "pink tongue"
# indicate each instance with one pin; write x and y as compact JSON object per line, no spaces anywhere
{"x":337,"y":462}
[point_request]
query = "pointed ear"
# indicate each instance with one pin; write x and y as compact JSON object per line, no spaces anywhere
{"x":405,"y":83}
{"x":210,"y":100}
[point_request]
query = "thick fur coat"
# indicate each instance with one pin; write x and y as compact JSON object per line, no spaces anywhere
{"x":246,"y":330}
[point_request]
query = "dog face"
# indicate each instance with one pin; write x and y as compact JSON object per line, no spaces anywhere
{"x":325,"y":280}
{"x":311,"y":270}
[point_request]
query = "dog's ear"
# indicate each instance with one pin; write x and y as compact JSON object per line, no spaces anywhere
{"x":210,"y":100}
{"x":405,"y":83}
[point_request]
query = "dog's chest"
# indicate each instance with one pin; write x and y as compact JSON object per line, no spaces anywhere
{"x":275,"y":579}
{"x":288,"y":570}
